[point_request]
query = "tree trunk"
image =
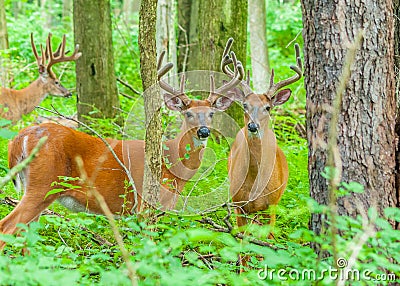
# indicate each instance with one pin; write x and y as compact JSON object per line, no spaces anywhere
{"x":3,"y":27}
{"x":258,"y":45}
{"x":397,"y":70}
{"x":3,"y":46}
{"x":367,"y":115}
{"x":184,"y":12}
{"x":152,"y":103}
{"x":212,"y":22}
{"x":166,"y":35}
{"x":95,"y":75}
{"x":67,"y":9}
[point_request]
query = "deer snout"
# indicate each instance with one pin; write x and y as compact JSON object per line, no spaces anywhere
{"x":253,"y":127}
{"x":203,"y":132}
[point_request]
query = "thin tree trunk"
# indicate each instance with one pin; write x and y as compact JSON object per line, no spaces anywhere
{"x":184,"y":12}
{"x":152,"y":102}
{"x":67,"y":9}
{"x":95,"y":75}
{"x":258,"y":45}
{"x":3,"y":45}
{"x":3,"y":27}
{"x":367,"y":117}
{"x":166,"y":35}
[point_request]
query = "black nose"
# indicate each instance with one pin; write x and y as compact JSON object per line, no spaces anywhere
{"x":203,"y":132}
{"x":69,"y":94}
{"x":252,"y":127}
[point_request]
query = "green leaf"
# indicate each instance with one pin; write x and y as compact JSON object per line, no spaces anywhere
{"x":54,"y":191}
{"x":7,"y":134}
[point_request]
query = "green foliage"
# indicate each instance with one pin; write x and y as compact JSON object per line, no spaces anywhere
{"x":80,"y":249}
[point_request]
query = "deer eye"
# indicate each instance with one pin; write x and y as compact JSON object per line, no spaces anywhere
{"x":267,"y":108}
{"x":189,"y":115}
{"x":211,"y":114}
{"x":245,"y":106}
{"x":57,"y":82}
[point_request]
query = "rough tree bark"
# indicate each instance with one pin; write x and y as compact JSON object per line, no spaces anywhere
{"x":367,"y":117}
{"x":258,"y":45}
{"x":152,"y":102}
{"x":396,"y":4}
{"x":95,"y":75}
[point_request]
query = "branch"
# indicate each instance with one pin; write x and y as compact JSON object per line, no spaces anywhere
{"x":219,"y":228}
{"x":128,"y":86}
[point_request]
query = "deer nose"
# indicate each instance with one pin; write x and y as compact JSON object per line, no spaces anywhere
{"x":203,"y":132}
{"x":68,"y":94}
{"x":252,"y":127}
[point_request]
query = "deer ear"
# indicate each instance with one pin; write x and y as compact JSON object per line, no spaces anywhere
{"x":173,"y":102}
{"x":281,"y":97}
{"x":222,"y":103}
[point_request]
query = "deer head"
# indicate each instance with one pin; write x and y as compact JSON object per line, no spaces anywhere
{"x":257,"y":107}
{"x":51,"y":84}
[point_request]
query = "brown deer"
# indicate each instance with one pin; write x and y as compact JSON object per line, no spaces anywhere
{"x":258,"y":171}
{"x":15,"y":103}
{"x":58,"y":158}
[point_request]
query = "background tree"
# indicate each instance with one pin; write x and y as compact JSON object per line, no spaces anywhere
{"x":210,"y":25}
{"x":367,"y":115}
{"x":95,"y":75}
{"x":396,"y":4}
{"x":152,"y":103}
{"x":258,"y":45}
{"x":3,"y":27}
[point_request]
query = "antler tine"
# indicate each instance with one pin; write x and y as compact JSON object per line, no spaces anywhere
{"x":35,"y":53}
{"x":59,"y":56}
{"x":226,"y":60}
{"x":237,"y":77}
{"x":297,"y":69}
{"x":161,"y":71}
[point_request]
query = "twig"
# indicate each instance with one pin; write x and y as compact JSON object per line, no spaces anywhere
{"x":127,"y":172}
{"x":219,"y":228}
{"x":22,"y":165}
{"x":109,"y":215}
{"x":128,"y":86}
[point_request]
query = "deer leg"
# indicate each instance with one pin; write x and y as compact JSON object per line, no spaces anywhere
{"x":27,"y":210}
{"x":271,"y":218}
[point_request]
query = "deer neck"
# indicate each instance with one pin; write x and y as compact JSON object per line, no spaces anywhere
{"x":184,"y":154}
{"x":29,"y":97}
{"x":261,"y":145}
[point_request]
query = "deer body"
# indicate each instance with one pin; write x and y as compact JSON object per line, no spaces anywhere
{"x":258,"y":171}
{"x":58,"y":157}
{"x":15,"y":103}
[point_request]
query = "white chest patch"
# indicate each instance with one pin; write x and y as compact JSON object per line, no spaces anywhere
{"x":197,"y":142}
{"x":72,"y":204}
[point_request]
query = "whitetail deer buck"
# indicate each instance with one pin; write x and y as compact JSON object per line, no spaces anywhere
{"x":258,"y":171}
{"x":58,"y":158}
{"x":15,"y":103}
